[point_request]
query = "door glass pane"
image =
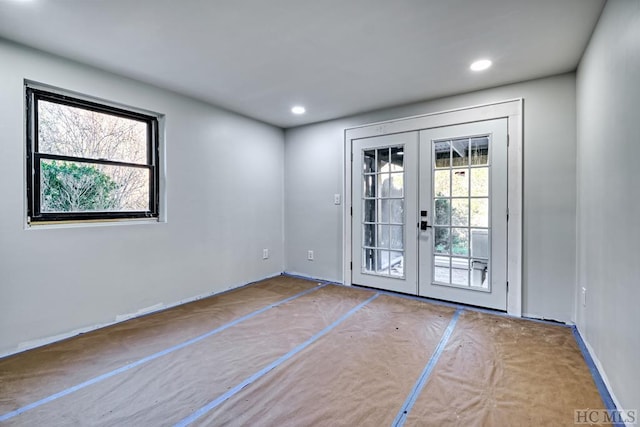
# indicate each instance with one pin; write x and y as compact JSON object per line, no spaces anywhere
{"x":460,"y":212}
{"x":369,"y":185}
{"x":460,"y":271}
{"x":397,"y":185}
{"x":480,"y":244}
{"x":397,"y":159}
{"x":479,"y":274}
{"x":441,"y":269}
{"x":368,"y":234}
{"x":442,"y":183}
{"x":397,"y":263}
{"x":479,"y":182}
{"x":460,"y":183}
{"x":442,"y":154}
{"x":460,"y":152}
{"x":383,"y":262}
{"x":396,"y":237}
{"x":369,"y":161}
{"x":383,"y":185}
{"x":383,"y":160}
{"x":397,"y":211}
{"x":369,"y":260}
{"x":479,"y":212}
{"x":442,"y":211}
{"x":460,"y":241}
{"x":369,"y":210}
{"x":383,"y":236}
{"x":480,"y":151}
{"x":441,"y":240}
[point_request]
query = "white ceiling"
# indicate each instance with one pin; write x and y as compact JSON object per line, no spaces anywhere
{"x":336,"y":57}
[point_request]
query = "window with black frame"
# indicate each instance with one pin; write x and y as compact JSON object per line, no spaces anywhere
{"x":89,"y":161}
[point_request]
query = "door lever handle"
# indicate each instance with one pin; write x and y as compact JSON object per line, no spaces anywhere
{"x":424,"y":225}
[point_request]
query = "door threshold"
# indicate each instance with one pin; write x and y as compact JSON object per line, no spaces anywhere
{"x":467,"y":307}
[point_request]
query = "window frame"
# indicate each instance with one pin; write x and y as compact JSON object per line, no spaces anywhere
{"x":33,"y":157}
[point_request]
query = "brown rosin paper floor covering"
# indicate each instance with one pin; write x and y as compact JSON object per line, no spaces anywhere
{"x":494,"y":371}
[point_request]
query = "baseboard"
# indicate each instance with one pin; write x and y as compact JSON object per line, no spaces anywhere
{"x":119,"y":318}
{"x":315,"y":279}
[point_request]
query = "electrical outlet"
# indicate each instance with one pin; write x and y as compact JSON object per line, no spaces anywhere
{"x":265,"y":253}
{"x":310,"y":255}
{"x":584,"y":297}
{"x":336,"y":199}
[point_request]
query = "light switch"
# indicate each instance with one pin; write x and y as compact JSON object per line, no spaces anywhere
{"x":336,"y":199}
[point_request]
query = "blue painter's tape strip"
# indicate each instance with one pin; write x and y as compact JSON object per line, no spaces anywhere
{"x":231,"y":392}
{"x":597,"y":378}
{"x":401,"y":417}
{"x":151,"y":357}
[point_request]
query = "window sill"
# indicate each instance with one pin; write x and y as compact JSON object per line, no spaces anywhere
{"x":45,"y":225}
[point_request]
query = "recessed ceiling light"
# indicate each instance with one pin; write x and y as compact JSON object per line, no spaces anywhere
{"x":481,"y":64}
{"x":298,"y":109}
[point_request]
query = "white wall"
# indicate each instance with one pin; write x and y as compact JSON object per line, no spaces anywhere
{"x":608,"y":118}
{"x":314,"y":171}
{"x":224,"y":203}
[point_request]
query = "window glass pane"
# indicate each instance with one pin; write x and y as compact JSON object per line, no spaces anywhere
{"x":460,"y":241}
{"x":441,"y":269}
{"x":460,"y":212}
{"x":397,"y":263}
{"x":441,"y":240}
{"x":479,"y":212}
{"x":460,"y":152}
{"x":480,"y":151}
{"x":369,"y":162}
{"x":460,"y":271}
{"x":77,"y":132}
{"x":397,"y":237}
{"x":397,"y":185}
{"x":85,"y":187}
{"x":397,"y":211}
{"x":460,"y":183}
{"x":383,"y":160}
{"x":479,"y":182}
{"x":397,"y":159}
{"x":442,"y":210}
{"x":442,"y":183}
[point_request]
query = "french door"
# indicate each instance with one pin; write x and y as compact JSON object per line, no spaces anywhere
{"x":430,"y":213}
{"x":463,"y":194}
{"x":384,"y":173}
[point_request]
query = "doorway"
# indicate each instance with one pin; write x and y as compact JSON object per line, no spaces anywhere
{"x":430,"y":209}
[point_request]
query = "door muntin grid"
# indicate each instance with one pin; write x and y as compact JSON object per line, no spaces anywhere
{"x":383,"y":219}
{"x":461,"y":196}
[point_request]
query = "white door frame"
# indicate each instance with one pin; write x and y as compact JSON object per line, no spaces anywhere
{"x":509,"y":109}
